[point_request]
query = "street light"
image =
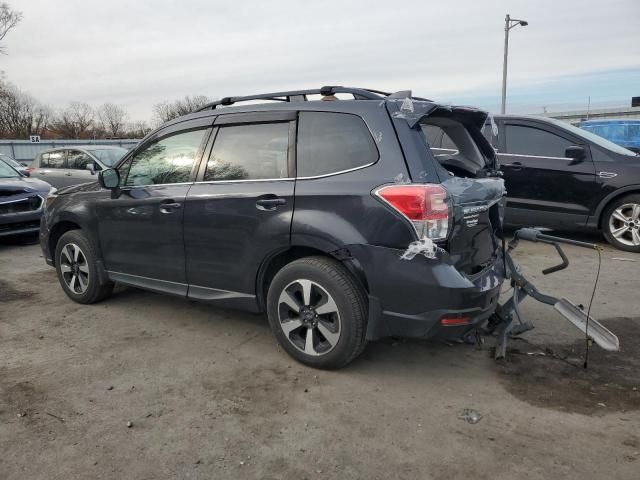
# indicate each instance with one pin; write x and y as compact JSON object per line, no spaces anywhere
{"x":509,"y":23}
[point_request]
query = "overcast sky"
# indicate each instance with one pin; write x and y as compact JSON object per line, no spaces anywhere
{"x":139,"y":53}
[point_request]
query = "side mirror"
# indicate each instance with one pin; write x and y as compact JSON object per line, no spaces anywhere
{"x":25,"y":172}
{"x":91,"y":167}
{"x":576,"y":153}
{"x":109,"y":178}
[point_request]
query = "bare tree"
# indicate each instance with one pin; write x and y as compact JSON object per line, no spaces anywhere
{"x":165,"y":111}
{"x":21,"y":115}
{"x":8,"y":20}
{"x":138,"y":129}
{"x":112,"y":118}
{"x":75,"y":121}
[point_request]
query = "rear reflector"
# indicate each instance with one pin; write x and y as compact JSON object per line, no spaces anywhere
{"x":454,"y":321}
{"x":424,"y":205}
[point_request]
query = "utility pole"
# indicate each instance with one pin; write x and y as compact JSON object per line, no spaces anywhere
{"x":509,"y":23}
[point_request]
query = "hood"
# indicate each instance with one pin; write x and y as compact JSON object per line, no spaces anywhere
{"x":17,"y":185}
{"x":83,"y":187}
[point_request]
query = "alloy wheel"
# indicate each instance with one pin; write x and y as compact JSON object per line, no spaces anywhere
{"x":624,"y":224}
{"x":74,"y":268}
{"x":309,"y":317}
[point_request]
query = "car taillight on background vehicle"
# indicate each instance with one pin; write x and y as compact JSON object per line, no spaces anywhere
{"x":424,"y":205}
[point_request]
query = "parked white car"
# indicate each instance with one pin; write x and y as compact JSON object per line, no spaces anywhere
{"x":62,"y":167}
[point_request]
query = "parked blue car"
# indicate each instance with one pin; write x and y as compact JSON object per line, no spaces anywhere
{"x":625,"y":133}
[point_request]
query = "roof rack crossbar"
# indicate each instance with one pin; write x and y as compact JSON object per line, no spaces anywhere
{"x":294,"y":95}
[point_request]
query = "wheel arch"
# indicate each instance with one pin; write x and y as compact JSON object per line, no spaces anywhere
{"x":613,"y":196}
{"x":272,"y":265}
{"x":57,"y":231}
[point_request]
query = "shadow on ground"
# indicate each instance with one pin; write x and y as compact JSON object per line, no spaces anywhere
{"x":553,"y":376}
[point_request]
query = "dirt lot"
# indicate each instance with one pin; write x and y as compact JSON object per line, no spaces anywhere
{"x":209,"y":394}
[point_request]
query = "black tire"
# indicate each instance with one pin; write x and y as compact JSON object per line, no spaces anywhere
{"x":329,"y":277}
{"x":631,"y":235}
{"x":94,"y":290}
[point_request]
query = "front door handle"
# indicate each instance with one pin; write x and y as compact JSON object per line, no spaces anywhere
{"x":270,"y":203}
{"x":68,"y":174}
{"x":169,"y":206}
{"x":513,"y":166}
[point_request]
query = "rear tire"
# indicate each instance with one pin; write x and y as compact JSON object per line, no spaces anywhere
{"x":317,"y":296}
{"x":621,"y":223}
{"x":75,"y":261}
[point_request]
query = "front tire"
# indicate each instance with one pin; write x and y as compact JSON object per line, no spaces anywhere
{"x":75,"y":260}
{"x":318,"y":312}
{"x":621,"y":223}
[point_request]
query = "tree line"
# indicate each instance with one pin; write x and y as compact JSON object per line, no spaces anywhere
{"x":22,"y":115}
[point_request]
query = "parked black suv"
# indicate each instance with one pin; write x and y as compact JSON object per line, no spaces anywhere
{"x":333,"y":217}
{"x":563,"y":177}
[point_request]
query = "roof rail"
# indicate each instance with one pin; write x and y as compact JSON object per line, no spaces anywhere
{"x":300,"y":95}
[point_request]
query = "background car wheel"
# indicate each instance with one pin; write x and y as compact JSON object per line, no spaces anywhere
{"x":75,"y":261}
{"x":318,"y":312}
{"x":621,"y":223}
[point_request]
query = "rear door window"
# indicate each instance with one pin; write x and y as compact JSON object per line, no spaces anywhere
{"x":332,"y":143}
{"x":523,"y":140}
{"x":249,"y":152}
{"x":52,"y":160}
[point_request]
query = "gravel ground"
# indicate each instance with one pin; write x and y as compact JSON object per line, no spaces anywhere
{"x":147,"y":386}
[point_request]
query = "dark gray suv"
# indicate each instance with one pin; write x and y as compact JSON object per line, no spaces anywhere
{"x":332,"y":216}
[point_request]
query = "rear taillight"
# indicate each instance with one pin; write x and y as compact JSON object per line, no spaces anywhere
{"x":424,"y":205}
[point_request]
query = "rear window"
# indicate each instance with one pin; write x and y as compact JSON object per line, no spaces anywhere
{"x":453,"y":145}
{"x":332,"y":142}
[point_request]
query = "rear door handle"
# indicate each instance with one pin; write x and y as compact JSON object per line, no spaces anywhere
{"x":270,"y":203}
{"x":68,"y":174}
{"x":513,"y":166}
{"x":169,"y":206}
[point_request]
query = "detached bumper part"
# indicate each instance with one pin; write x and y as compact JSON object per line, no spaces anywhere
{"x":588,"y":325}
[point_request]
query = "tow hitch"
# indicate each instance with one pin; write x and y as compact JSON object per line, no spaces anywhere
{"x":503,"y":321}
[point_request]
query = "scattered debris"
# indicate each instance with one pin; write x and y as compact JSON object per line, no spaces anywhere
{"x":470,"y":415}
{"x":55,"y":416}
{"x":129,"y":424}
{"x":110,"y":387}
{"x":622,"y":259}
{"x":22,"y":414}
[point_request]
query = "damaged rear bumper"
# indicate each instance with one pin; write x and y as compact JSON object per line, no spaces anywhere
{"x":409,"y":298}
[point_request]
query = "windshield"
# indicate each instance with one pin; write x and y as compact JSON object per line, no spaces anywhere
{"x":592,"y":137}
{"x":108,"y":156}
{"x":7,"y":172}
